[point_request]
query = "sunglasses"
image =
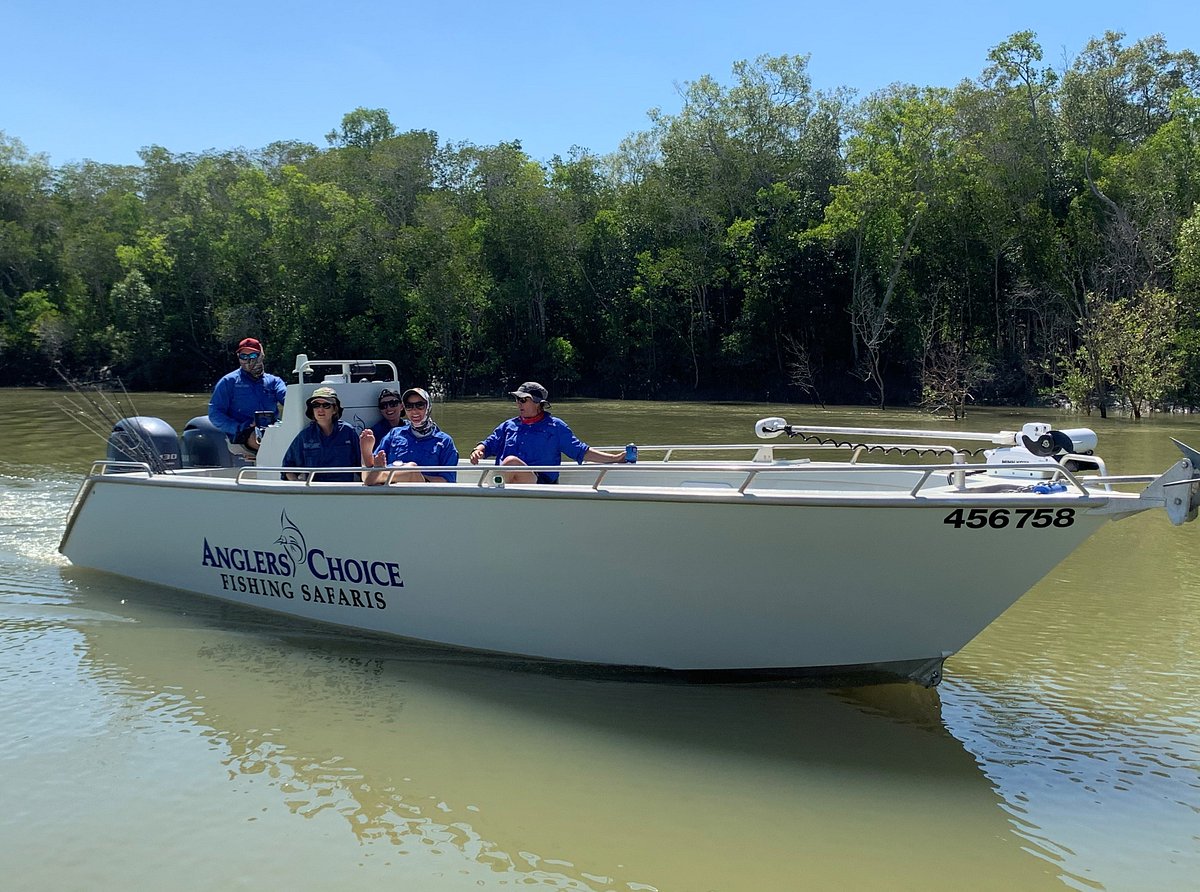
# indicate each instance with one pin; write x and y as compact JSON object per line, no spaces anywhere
{"x":321,"y":405}
{"x":389,"y":404}
{"x":245,"y":357}
{"x":524,"y":399}
{"x":421,"y":405}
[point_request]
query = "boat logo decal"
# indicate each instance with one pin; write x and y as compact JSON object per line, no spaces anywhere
{"x":295,"y":569}
{"x":292,"y":539}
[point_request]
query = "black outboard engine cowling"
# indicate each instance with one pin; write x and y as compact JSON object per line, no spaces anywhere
{"x":145,"y":439}
{"x":205,"y":445}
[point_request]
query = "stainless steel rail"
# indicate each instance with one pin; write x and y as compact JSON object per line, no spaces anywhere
{"x":745,"y":474}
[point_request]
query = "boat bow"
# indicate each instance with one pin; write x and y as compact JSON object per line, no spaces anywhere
{"x":1179,"y":486}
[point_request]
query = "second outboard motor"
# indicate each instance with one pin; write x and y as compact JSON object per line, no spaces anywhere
{"x":145,"y":439}
{"x":205,"y":445}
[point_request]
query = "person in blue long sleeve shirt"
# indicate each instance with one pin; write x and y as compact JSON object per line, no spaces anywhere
{"x":242,"y":393}
{"x":420,"y":443}
{"x":535,"y":437}
{"x":328,"y":442}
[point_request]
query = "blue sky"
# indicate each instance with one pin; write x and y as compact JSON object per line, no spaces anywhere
{"x":89,"y":80}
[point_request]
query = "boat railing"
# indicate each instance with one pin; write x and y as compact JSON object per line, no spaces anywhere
{"x":120,"y":467}
{"x":349,"y":370}
{"x":305,"y":476}
{"x":956,"y":472}
{"x":698,"y":474}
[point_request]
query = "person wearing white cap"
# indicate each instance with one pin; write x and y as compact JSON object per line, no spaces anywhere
{"x":418,"y":444}
{"x":535,"y":437}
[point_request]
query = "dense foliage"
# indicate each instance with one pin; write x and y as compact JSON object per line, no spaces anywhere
{"x":1026,"y":235}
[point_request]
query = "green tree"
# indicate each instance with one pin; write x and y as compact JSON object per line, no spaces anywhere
{"x":1136,"y":339}
{"x":898,"y":165}
{"x":450,"y":298}
{"x":528,"y":242}
{"x":362,"y":128}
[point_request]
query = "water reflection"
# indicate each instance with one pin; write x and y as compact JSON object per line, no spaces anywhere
{"x":1080,"y":707}
{"x":574,"y":783}
{"x":1069,"y":774}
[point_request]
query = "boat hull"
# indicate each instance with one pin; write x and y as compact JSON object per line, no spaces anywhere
{"x":707,"y":584}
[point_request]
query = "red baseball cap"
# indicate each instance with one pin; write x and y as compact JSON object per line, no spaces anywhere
{"x":249,"y":344}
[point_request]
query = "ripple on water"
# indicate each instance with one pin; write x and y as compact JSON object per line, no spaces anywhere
{"x":1072,"y":759}
{"x":1080,"y":707}
{"x":32,"y":513}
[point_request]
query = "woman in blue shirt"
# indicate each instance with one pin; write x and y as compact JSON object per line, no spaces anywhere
{"x":418,"y":444}
{"x":328,"y":442}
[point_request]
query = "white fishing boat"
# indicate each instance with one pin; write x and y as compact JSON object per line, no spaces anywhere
{"x":856,"y":553}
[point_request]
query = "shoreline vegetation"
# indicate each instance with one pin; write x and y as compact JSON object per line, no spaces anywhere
{"x":1030,"y":236}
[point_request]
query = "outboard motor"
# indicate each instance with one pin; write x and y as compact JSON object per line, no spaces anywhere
{"x":205,"y":445}
{"x":145,"y":439}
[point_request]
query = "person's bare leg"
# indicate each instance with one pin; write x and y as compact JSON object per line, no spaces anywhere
{"x":374,"y":478}
{"x":407,"y":476}
{"x":517,"y":476}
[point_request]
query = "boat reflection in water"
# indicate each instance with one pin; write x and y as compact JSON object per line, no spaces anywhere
{"x":441,"y":765}
{"x":1081,"y":710}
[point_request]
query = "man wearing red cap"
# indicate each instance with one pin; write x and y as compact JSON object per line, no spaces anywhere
{"x":247,"y":398}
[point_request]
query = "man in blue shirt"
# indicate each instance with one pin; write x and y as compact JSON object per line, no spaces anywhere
{"x":420,"y":443}
{"x":328,"y":442}
{"x":240,"y":397}
{"x":535,"y":437}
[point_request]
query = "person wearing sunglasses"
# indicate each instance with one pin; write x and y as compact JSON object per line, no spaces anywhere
{"x":420,"y":443}
{"x":535,"y":437}
{"x":247,"y":398}
{"x":328,"y":442}
{"x":391,"y":413}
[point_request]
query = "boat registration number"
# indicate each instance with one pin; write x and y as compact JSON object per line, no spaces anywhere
{"x":998,"y":518}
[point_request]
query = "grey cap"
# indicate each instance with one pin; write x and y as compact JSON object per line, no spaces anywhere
{"x":419,"y":391}
{"x":532,"y":389}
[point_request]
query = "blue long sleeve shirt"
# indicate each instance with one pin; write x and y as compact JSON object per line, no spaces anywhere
{"x":238,"y":396}
{"x":541,"y":443}
{"x":312,"y":449}
{"x":400,"y":444}
{"x":381,"y":429}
